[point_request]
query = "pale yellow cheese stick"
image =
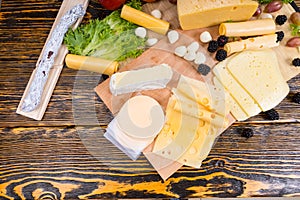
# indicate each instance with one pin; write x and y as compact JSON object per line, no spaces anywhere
{"x":143,"y":19}
{"x":93,"y":64}
{"x":255,"y":43}
{"x":248,"y":28}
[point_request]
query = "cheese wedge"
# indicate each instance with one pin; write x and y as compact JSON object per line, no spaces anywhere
{"x":243,"y":99}
{"x":260,"y":76}
{"x":151,"y":78}
{"x":235,"y":109}
{"x":204,"y":13}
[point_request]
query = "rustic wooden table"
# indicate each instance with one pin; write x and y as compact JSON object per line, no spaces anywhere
{"x":63,"y":157}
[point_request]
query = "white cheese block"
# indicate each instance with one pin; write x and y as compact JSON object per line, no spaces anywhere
{"x":260,"y":76}
{"x":156,"y":77}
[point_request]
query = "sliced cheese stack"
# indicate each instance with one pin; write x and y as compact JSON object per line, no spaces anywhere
{"x":192,"y":123}
{"x":255,"y":85}
{"x":204,"y":13}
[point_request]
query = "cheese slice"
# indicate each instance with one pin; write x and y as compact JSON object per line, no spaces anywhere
{"x":260,"y":76}
{"x":235,"y":109}
{"x":177,"y":135}
{"x":204,"y":94}
{"x":156,"y":77}
{"x":192,"y":108}
{"x":244,"y":100}
{"x":204,"y":13}
{"x":201,"y":146}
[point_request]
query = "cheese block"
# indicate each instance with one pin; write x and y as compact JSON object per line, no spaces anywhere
{"x":243,"y":99}
{"x":260,"y":76}
{"x":204,"y":13}
{"x":235,"y":109}
{"x":205,"y":94}
{"x":151,"y":78}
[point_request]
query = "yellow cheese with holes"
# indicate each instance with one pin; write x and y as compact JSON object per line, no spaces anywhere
{"x":192,"y":108}
{"x":204,"y":13}
{"x":200,"y":147}
{"x":205,"y":94}
{"x":239,"y":94}
{"x":260,"y":76}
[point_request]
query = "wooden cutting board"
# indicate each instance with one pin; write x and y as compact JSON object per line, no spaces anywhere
{"x":162,"y":52}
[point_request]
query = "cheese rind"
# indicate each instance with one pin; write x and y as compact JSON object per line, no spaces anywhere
{"x":156,"y":77}
{"x":204,"y":13}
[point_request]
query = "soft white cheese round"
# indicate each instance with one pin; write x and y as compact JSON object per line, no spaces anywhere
{"x":190,"y":56}
{"x":151,"y":41}
{"x":173,"y":36}
{"x":180,"y":51}
{"x":141,"y":117}
{"x":200,"y":58}
{"x":193,"y":47}
{"x":205,"y":37}
{"x":140,"y":32}
{"x":156,"y":13}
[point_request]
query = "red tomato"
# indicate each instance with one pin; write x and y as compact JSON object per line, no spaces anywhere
{"x":112,"y":4}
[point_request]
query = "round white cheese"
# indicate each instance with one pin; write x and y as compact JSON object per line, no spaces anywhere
{"x":141,"y":117}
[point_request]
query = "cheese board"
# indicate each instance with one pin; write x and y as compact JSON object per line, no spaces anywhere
{"x":163,"y":52}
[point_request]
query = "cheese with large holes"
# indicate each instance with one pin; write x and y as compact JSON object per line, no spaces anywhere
{"x":204,"y":13}
{"x":151,"y":78}
{"x":205,"y":94}
{"x":245,"y":101}
{"x":176,"y":136}
{"x":192,"y":108}
{"x":260,"y":76}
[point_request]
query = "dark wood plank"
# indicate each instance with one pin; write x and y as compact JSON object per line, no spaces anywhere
{"x":57,"y":161}
{"x":23,"y":32}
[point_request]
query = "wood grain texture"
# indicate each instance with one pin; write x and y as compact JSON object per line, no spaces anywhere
{"x":65,"y":156}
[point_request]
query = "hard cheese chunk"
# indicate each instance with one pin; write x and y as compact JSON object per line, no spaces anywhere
{"x":243,"y":99}
{"x":260,"y":76}
{"x":204,"y":13}
{"x":156,"y":77}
